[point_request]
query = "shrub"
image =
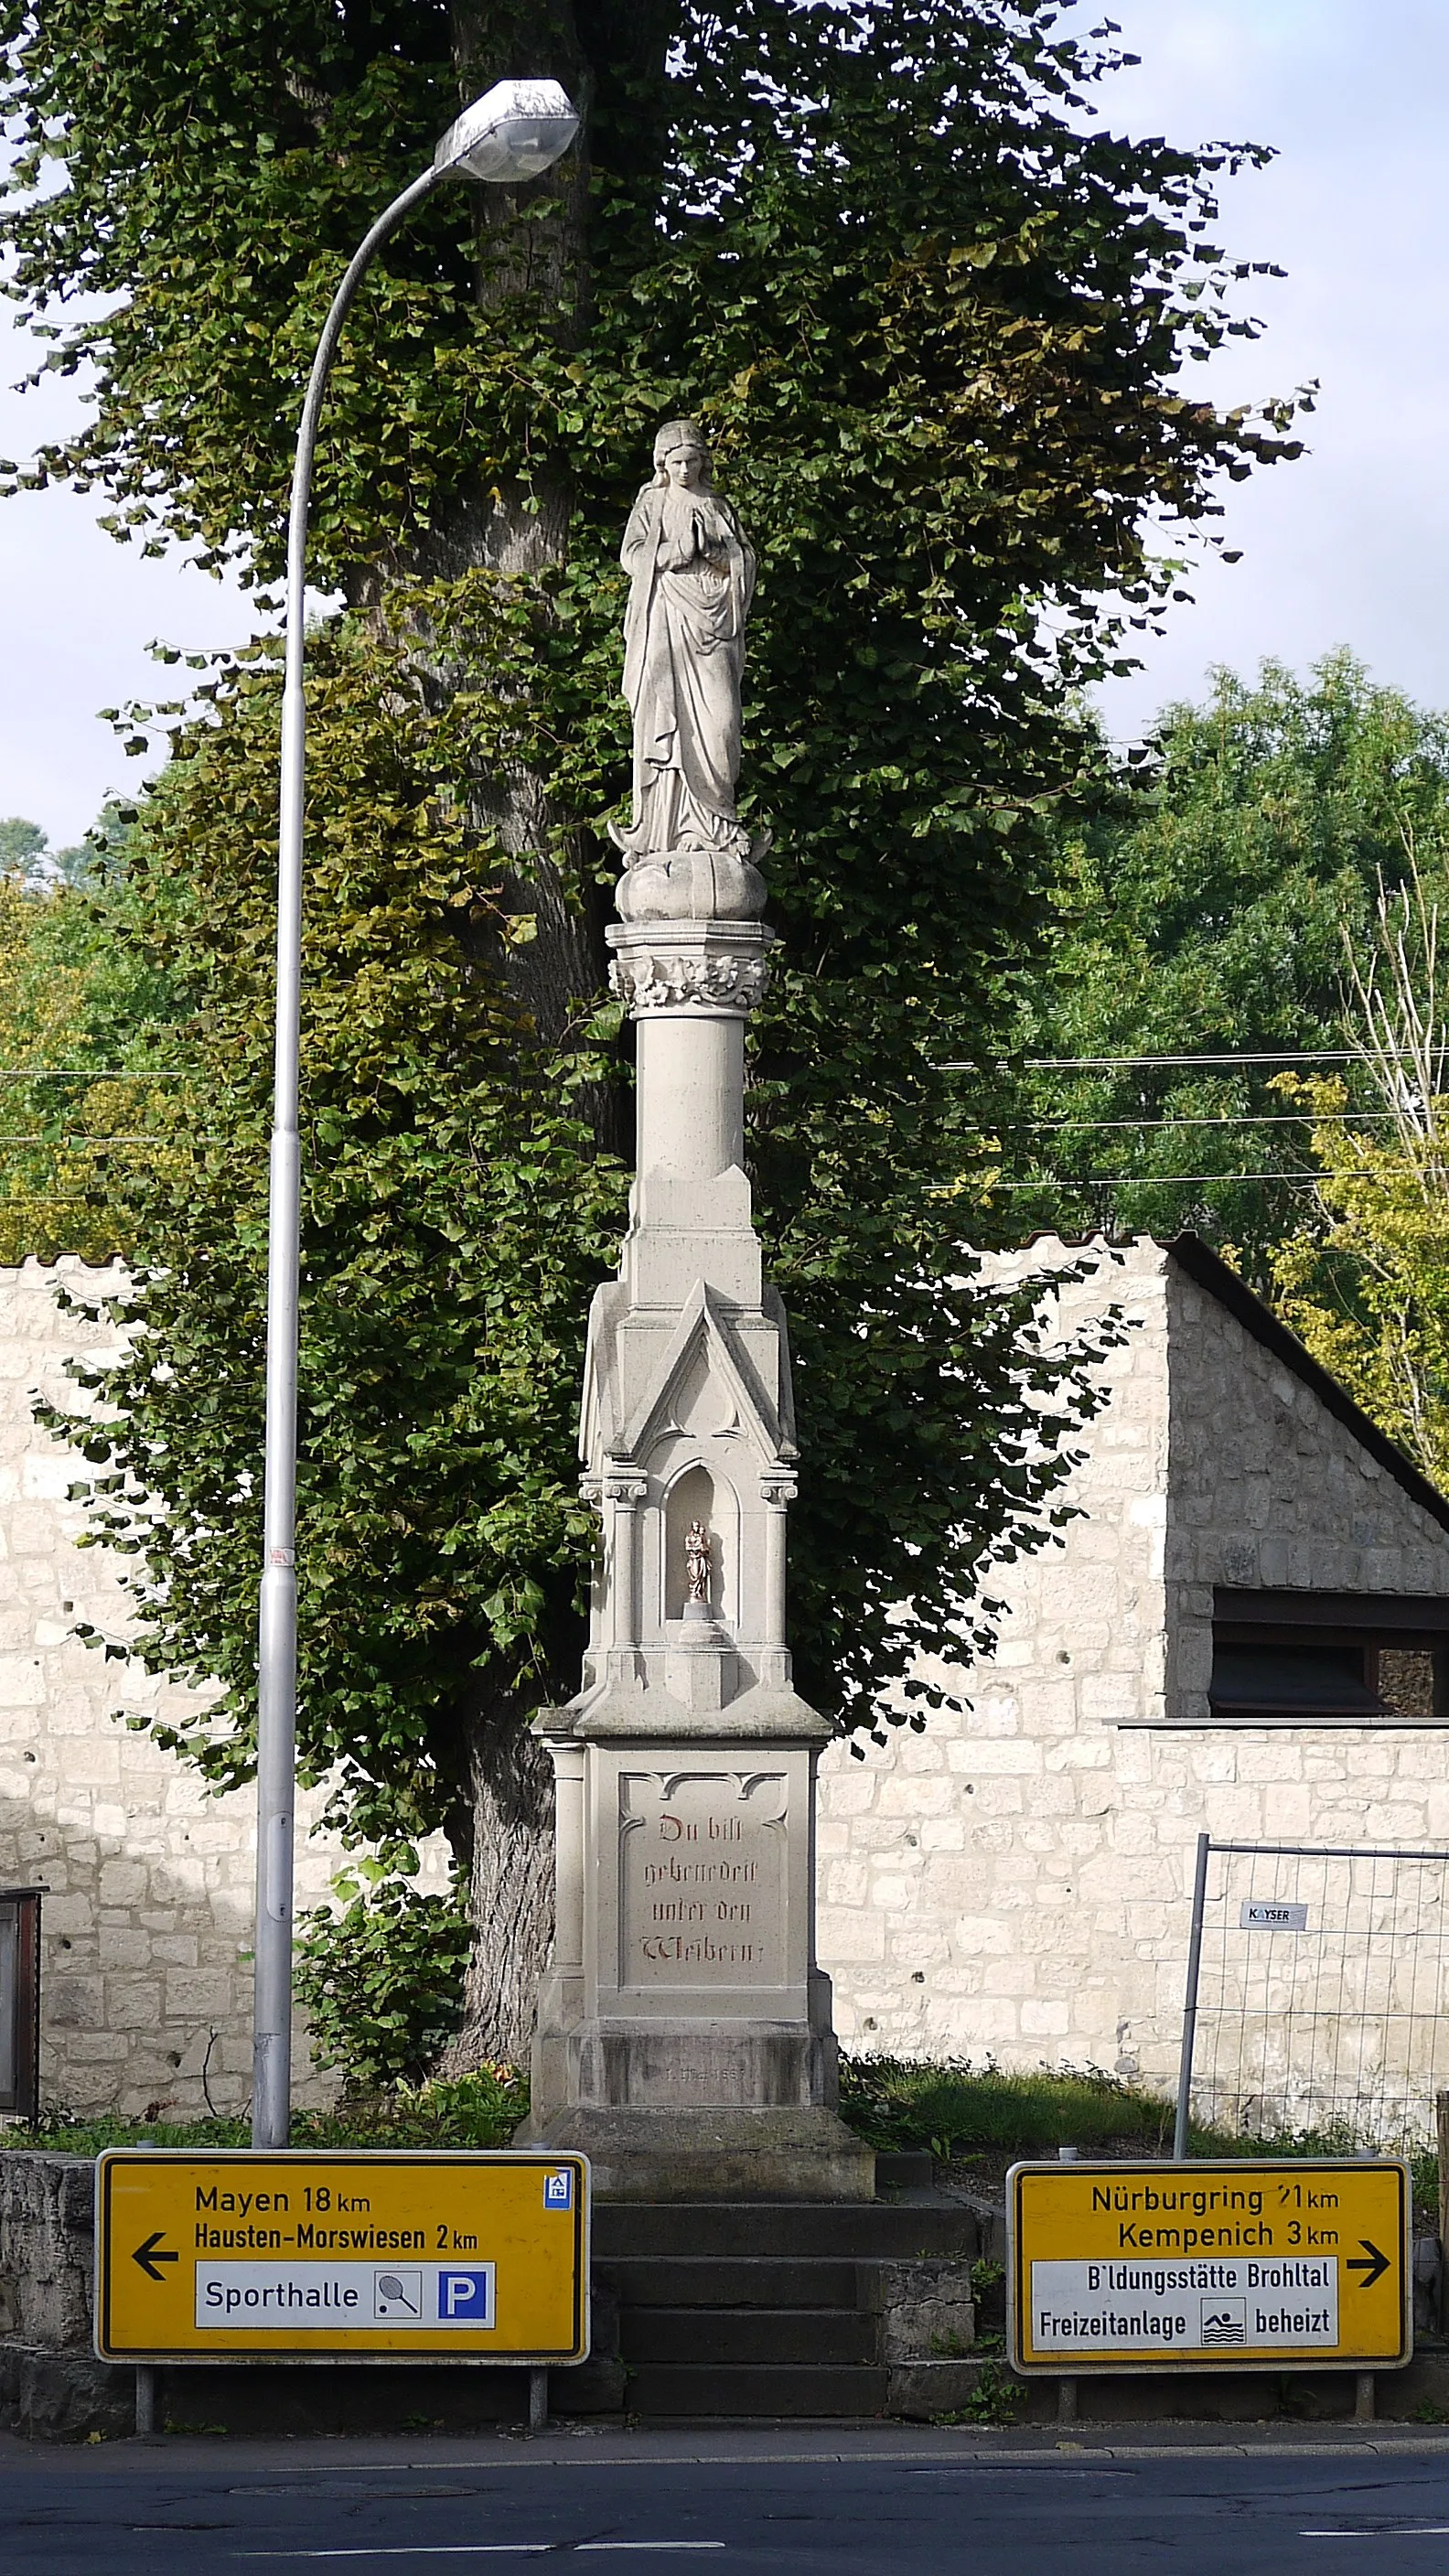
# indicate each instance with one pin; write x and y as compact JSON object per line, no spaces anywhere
{"x":382,"y":1981}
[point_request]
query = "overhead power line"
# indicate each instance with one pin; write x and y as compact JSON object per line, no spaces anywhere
{"x":1147,"y":1180}
{"x":86,"y":1073}
{"x":1209,"y":1118}
{"x":1159,"y":1063}
{"x":1130,"y":1063}
{"x":141,"y":1137}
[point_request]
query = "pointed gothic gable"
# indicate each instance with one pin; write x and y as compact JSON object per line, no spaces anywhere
{"x":704,"y":1339}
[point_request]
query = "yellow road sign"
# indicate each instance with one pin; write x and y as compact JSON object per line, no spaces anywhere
{"x":413,"y":2257}
{"x":1260,"y":2266}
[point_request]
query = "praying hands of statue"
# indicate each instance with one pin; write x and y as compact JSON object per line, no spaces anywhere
{"x":694,"y":541}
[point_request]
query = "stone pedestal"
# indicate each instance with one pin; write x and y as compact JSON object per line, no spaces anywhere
{"x":684,"y":2038}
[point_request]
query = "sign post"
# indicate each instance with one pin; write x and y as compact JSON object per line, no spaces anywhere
{"x":314,"y":2257}
{"x":1215,"y":2264}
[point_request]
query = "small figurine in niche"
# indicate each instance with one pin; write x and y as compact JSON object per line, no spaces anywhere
{"x":696,"y":1564}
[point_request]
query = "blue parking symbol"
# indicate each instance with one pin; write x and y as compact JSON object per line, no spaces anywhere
{"x":465,"y":2298}
{"x":558,"y":2189}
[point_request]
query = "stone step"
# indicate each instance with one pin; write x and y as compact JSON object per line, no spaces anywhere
{"x":821,"y":2337}
{"x":856,"y":2231}
{"x":905,"y":2169}
{"x":719,"y":2389}
{"x":724,"y":2281}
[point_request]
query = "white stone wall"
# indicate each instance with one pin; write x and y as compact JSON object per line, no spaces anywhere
{"x":1014,"y":1881}
{"x":149,"y":1912}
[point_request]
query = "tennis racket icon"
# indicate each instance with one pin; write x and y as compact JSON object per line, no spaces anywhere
{"x":389,"y":2287}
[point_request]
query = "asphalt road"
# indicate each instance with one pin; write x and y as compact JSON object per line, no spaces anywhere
{"x":781,"y":2505}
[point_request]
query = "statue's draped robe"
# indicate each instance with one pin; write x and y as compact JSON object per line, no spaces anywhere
{"x":684,"y":640}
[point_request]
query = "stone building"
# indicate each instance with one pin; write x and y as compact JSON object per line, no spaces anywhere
{"x":1242,"y":1632}
{"x":147,"y":1915}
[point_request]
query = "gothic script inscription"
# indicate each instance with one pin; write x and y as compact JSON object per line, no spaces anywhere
{"x":702,"y":1878}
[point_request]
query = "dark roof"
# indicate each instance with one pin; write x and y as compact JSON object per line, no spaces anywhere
{"x":1209,"y":1271}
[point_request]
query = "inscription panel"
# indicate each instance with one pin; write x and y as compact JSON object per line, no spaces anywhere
{"x":702,"y":1878}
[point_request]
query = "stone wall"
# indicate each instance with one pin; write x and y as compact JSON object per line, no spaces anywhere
{"x":146,"y":1975}
{"x":1015,"y":1880}
{"x":1269,"y":1491}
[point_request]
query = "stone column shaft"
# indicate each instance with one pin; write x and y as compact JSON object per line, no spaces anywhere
{"x":689,"y":1103}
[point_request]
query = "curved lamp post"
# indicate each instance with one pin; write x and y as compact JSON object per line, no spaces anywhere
{"x":517,"y":130}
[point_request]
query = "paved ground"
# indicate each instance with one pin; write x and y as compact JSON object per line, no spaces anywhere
{"x":755,"y":2503}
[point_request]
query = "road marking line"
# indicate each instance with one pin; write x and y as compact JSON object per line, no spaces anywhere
{"x":476,"y":2548}
{"x":1400,"y":2531}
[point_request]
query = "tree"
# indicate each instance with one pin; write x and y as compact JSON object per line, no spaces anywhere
{"x":82,"y":1042}
{"x":22,"y":849}
{"x":26,"y":855}
{"x":932,"y":320}
{"x":1204,"y":909}
{"x":1367,"y":1283}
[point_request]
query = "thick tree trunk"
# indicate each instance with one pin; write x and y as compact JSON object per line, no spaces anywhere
{"x":510,"y":1831}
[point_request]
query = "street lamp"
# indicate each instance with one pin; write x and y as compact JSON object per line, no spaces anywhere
{"x":517,"y":130}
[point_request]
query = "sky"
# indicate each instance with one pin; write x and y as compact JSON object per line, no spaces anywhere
{"x":1348,"y":546}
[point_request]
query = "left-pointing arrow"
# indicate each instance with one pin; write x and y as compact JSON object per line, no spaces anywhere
{"x":152,"y":2254}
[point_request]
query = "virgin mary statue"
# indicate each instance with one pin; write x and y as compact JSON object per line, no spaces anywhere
{"x":691,"y":579}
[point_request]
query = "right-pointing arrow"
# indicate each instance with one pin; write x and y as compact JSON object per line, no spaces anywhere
{"x":1371,"y":2263}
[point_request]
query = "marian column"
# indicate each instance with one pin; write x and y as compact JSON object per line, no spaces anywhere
{"x":684,"y":2037}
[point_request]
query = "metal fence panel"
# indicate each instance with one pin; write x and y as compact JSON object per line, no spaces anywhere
{"x":1317,"y":1993}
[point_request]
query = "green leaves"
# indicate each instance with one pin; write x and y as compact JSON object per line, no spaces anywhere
{"x":457,"y":1215}
{"x":381,"y":1981}
{"x":932,"y":320}
{"x":1201,"y":908}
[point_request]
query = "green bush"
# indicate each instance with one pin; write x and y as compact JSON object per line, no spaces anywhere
{"x":382,"y":1982}
{"x":478,"y":2110}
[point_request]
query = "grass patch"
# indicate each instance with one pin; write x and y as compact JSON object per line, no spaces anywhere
{"x":956,"y":2110}
{"x":481,"y":2110}
{"x":953,"y":2108}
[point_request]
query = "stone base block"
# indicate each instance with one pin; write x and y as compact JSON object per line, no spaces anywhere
{"x":55,"y":2396}
{"x":926,"y":2309}
{"x":687,"y":2066}
{"x":711,"y":2154}
{"x":920,"y":2391}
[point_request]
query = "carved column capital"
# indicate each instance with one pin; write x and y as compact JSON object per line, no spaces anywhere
{"x":715,"y":966}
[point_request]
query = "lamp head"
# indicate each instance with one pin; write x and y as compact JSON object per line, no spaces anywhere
{"x":517,"y":129}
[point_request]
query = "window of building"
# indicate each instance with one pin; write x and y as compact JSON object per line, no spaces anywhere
{"x":1293,"y":1680}
{"x":1338,"y":1659}
{"x":20,"y":2001}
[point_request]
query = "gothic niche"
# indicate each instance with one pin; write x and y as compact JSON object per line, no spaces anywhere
{"x":691,"y":1502}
